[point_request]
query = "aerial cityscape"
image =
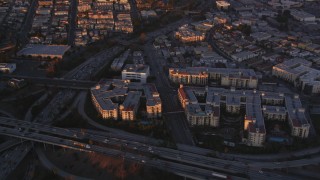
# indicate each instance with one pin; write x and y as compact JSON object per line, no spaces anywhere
{"x":160,"y":89}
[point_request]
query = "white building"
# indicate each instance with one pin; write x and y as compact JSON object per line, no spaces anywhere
{"x":136,"y":72}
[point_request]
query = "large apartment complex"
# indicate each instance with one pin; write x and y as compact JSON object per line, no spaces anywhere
{"x":299,"y":72}
{"x":120,"y":99}
{"x":240,"y":78}
{"x":258,"y":107}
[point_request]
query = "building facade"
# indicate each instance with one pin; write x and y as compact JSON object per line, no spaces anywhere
{"x":137,"y":72}
{"x":239,"y":78}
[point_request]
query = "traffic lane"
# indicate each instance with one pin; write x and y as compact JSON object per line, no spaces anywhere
{"x":176,"y":126}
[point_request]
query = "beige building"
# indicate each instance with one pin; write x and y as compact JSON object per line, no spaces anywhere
{"x":257,"y":105}
{"x":199,"y":114}
{"x":239,"y":81}
{"x":186,"y":34}
{"x":130,"y":106}
{"x":184,"y":77}
{"x":239,"y":78}
{"x":120,"y":99}
{"x":153,"y":104}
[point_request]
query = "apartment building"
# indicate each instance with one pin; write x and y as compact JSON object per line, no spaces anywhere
{"x":186,"y":34}
{"x":259,"y":106}
{"x":130,"y":106}
{"x":199,"y":114}
{"x":240,"y":78}
{"x":299,"y":72}
{"x":120,"y":99}
{"x":296,"y":117}
{"x":153,"y":101}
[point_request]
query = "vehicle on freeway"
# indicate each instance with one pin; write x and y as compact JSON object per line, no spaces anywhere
{"x":260,"y":171}
{"x":143,"y":161}
{"x":219,"y":175}
{"x":88,"y":146}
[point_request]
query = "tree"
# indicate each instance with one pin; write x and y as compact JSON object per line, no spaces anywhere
{"x":142,"y":38}
{"x":245,"y":29}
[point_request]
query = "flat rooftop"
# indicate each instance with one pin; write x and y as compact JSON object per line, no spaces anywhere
{"x":39,"y":49}
{"x":132,"y":100}
{"x":136,"y":68}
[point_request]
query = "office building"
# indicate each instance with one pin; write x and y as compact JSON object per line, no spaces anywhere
{"x":136,"y":72}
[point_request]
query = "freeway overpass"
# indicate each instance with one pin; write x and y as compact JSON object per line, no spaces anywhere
{"x":73,"y":139}
{"x":184,"y":163}
{"x":54,"y":82}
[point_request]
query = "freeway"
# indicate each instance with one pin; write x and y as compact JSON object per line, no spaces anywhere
{"x":180,"y":169}
{"x":54,"y":82}
{"x":79,"y":139}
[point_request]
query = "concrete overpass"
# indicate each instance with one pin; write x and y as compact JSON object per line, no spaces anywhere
{"x":186,"y":164}
{"x":54,"y":82}
{"x":73,"y":139}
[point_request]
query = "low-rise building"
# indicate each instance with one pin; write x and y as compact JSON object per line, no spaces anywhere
{"x":44,"y":51}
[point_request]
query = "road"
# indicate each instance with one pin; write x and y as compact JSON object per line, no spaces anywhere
{"x":172,"y":111}
{"x":54,"y":82}
{"x":50,"y":166}
{"x":23,"y":34}
{"x":72,"y":21}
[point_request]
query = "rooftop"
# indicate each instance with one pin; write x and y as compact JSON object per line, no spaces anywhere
{"x":34,"y":49}
{"x":136,"y":68}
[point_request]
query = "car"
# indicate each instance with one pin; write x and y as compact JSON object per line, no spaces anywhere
{"x":134,"y":147}
{"x":106,"y":140}
{"x":88,"y":146}
{"x":150,"y":148}
{"x":143,"y":161}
